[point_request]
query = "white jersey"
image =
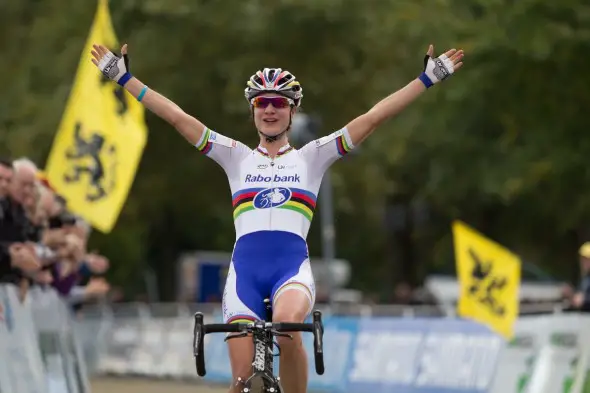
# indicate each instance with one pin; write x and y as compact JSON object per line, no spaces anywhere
{"x":274,"y":194}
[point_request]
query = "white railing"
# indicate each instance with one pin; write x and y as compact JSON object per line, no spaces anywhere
{"x":39,"y":351}
{"x":44,"y":348}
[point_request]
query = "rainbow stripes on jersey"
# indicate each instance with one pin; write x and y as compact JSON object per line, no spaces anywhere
{"x":301,"y":201}
{"x":342,"y":145}
{"x":205,"y":145}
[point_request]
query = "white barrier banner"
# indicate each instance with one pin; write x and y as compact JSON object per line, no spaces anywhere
{"x":549,"y":354}
{"x":38,"y":356}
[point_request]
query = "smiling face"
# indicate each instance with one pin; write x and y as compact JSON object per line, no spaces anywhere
{"x":272,"y":113}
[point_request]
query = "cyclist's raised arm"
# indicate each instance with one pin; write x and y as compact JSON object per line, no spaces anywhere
{"x":435,"y":70}
{"x":189,"y":127}
{"x":225,"y":151}
{"x":117,"y":69}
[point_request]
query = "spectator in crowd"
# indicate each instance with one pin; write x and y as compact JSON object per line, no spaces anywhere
{"x":45,"y":206}
{"x":16,"y":254}
{"x":41,"y":243}
{"x":580,"y":299}
{"x":23,"y":188}
{"x":5,"y":176}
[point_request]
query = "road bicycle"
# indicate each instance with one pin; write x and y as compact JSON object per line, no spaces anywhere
{"x":263,"y":334}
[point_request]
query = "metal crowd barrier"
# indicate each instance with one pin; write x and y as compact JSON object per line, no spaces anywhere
{"x":367,"y":348}
{"x":39,"y":350}
{"x":46,"y":348}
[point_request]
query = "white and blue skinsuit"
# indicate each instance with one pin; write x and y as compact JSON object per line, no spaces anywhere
{"x":273,"y":204}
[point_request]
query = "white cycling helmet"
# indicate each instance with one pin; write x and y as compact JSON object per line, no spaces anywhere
{"x":274,"y":80}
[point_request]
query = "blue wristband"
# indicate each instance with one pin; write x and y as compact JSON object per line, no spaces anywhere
{"x":142,"y":93}
{"x":124,"y":79}
{"x":426,"y":80}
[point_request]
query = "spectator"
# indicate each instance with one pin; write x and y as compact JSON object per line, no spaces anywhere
{"x":38,"y":216}
{"x":45,"y":206}
{"x":68,"y":235}
{"x":23,"y":188}
{"x":580,"y":300}
{"x":41,"y":243}
{"x":16,"y":254}
{"x":5,"y":176}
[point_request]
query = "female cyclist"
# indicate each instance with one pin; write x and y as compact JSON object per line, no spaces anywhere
{"x":274,"y":189}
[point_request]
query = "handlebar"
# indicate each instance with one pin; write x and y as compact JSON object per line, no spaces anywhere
{"x":201,"y":329}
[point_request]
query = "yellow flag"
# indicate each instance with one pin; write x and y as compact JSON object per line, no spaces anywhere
{"x":489,"y":280}
{"x":100,"y":139}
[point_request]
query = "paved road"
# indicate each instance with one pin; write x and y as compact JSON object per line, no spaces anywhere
{"x":126,"y":385}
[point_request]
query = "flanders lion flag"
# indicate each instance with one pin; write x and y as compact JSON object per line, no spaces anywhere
{"x":100,"y":139}
{"x":489,"y":280}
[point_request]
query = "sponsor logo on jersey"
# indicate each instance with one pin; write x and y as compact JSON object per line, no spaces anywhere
{"x":275,"y":179}
{"x":272,"y":197}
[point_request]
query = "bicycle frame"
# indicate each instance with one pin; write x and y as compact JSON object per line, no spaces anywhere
{"x":263,"y":334}
{"x":262,"y":362}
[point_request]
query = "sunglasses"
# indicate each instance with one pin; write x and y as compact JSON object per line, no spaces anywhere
{"x":277,"y":102}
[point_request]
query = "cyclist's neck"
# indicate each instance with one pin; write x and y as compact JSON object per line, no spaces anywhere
{"x":273,"y":148}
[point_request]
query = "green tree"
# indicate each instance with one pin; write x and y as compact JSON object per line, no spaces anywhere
{"x":501,"y":145}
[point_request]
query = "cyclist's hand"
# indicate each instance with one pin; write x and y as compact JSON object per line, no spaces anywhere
{"x":112,"y":66}
{"x":440,"y":68}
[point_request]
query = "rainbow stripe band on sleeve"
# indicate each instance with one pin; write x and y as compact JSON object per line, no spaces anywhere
{"x":301,"y":201}
{"x":342,"y":145}
{"x":205,"y":146}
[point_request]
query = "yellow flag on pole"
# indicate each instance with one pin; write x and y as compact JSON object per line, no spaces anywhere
{"x":100,"y":139}
{"x":489,"y":280}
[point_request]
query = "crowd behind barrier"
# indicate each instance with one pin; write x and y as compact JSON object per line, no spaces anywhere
{"x":42,"y":244}
{"x":45,"y":347}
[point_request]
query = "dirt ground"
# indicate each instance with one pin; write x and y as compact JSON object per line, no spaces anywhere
{"x":126,"y":385}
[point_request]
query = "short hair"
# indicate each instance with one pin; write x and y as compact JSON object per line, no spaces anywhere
{"x":24,"y":162}
{"x":6,"y":162}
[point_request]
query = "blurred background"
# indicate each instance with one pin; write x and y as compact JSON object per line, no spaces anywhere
{"x":501,"y":146}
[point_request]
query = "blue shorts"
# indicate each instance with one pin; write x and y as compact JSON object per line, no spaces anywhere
{"x":264,"y":265}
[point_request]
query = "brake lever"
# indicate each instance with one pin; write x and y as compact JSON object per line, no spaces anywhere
{"x":281,"y":334}
{"x":237,"y":335}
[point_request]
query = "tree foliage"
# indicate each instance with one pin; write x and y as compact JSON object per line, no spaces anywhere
{"x":501,"y":145}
